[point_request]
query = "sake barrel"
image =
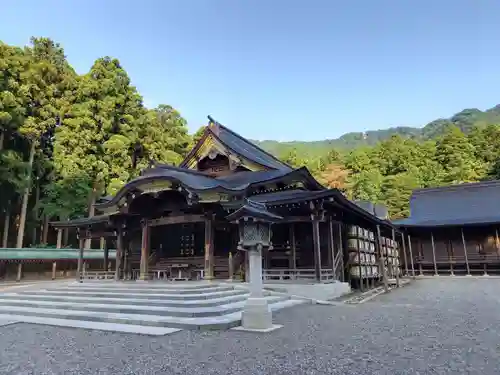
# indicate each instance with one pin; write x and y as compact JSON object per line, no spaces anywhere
{"x":352,"y":244}
{"x":352,"y":231}
{"x":355,"y":272}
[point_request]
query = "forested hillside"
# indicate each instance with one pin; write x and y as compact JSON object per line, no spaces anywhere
{"x":67,"y":139}
{"x":465,"y":120}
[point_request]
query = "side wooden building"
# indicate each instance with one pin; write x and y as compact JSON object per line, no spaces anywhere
{"x":454,"y":230}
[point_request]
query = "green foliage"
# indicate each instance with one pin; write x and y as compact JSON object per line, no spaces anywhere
{"x":76,"y":137}
{"x":81,"y":136}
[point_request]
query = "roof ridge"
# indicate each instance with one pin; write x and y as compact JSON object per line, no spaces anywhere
{"x":253,"y":144}
{"x":181,"y":169}
{"x":466,"y":185}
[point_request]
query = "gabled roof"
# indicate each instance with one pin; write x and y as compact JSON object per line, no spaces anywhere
{"x":464,"y":204}
{"x":255,"y":210}
{"x":197,"y":182}
{"x":238,"y":145}
{"x":278,"y":198}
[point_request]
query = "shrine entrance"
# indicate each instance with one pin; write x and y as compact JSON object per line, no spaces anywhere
{"x":178,"y":250}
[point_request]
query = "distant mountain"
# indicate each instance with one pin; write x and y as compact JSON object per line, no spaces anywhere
{"x":465,"y":120}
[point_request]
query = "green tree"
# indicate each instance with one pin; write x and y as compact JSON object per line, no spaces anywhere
{"x":457,"y":157}
{"x":164,"y":136}
{"x":365,"y":185}
{"x":42,"y":90}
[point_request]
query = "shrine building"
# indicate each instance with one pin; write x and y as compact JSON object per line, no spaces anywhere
{"x":172,"y":221}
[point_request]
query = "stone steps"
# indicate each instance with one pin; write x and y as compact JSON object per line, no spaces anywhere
{"x":143,"y":291}
{"x":146,"y":295}
{"x":146,"y":308}
{"x":240,"y":297}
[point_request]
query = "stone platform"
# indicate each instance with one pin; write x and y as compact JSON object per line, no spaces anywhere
{"x":151,"y":308}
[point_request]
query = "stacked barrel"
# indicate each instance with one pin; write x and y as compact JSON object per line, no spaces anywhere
{"x":391,"y":254}
{"x":362,"y":256}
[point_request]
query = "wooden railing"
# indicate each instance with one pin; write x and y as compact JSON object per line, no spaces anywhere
{"x":297,"y":274}
{"x":98,"y":275}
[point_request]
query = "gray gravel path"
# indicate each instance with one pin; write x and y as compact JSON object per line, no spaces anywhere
{"x":430,"y":327}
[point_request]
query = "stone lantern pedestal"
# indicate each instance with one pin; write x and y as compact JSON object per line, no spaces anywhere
{"x":255,"y":236}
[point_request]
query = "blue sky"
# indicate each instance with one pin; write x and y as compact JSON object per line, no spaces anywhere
{"x":285,"y":69}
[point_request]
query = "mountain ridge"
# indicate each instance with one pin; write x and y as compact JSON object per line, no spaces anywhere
{"x":465,"y":120}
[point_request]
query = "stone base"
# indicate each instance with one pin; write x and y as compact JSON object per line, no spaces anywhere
{"x":274,"y":327}
{"x":313,"y":291}
{"x":256,"y":315}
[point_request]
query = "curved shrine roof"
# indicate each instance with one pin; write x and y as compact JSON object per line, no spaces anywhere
{"x":198,"y":182}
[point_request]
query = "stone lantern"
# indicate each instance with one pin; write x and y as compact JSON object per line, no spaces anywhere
{"x":254,"y":224}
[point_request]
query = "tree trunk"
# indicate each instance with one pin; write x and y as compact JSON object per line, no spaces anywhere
{"x":24,"y":205}
{"x":6,"y":224}
{"x":93,"y":197}
{"x":36,"y":215}
{"x":45,"y":230}
{"x":2,"y":138}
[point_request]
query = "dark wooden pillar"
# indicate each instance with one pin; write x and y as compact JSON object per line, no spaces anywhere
{"x":316,"y":247}
{"x":331,"y":247}
{"x":434,"y":255}
{"x":292,"y":260}
{"x":421,"y":256}
{"x":451,"y":257}
{"x":79,"y":268}
{"x":403,"y":244}
{"x":411,"y":257}
{"x":119,"y":252}
{"x":397,"y":258}
{"x":465,"y":251}
{"x":378,"y":244}
{"x":209,"y":249}
{"x":106,"y":257}
{"x":340,"y":250}
{"x":144,"y":265}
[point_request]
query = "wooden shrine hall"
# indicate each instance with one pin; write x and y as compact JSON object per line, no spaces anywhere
{"x":171,"y":221}
{"x":454,"y":230}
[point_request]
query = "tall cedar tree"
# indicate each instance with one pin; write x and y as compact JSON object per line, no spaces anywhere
{"x":41,"y":88}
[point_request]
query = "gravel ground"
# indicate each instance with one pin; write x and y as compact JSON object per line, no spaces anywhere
{"x":430,"y":327}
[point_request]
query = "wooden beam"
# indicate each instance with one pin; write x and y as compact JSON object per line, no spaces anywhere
{"x":119,"y":253}
{"x":299,"y":219}
{"x":404,"y":253}
{"x":180,"y":219}
{"x":434,"y":255}
{"x":292,"y":263}
{"x":378,"y":245}
{"x":411,"y":257}
{"x":397,"y":259}
{"x":209,"y":249}
{"x":340,"y":249}
{"x":331,"y":247}
{"x":144,"y":252}
{"x":316,"y":247}
{"x":92,"y":235}
{"x":465,"y":251}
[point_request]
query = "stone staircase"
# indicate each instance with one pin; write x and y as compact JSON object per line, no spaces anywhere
{"x":152,"y":308}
